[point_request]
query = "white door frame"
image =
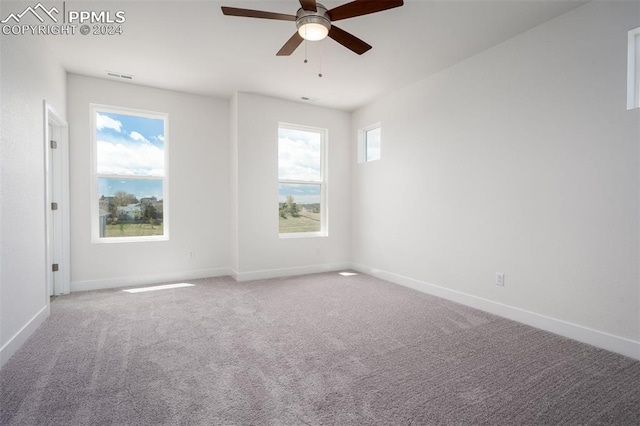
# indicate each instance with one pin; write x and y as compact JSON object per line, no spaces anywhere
{"x":57,"y":231}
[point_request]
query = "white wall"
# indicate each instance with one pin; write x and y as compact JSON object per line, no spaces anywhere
{"x":260,"y":252}
{"x":198,"y":189}
{"x":26,"y":81}
{"x":523,"y":160}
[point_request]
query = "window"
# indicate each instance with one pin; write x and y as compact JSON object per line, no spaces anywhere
{"x":369,"y":143}
{"x":302,"y":202}
{"x":633,"y":69}
{"x":129,"y":153}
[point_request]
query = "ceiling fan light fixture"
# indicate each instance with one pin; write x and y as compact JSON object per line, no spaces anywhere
{"x":313,"y":28}
{"x":313,"y":25}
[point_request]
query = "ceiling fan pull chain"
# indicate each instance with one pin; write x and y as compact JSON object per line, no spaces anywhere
{"x":321,"y":52}
{"x":305,"y":51}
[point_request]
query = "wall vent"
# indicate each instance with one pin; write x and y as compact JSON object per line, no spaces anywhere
{"x":119,"y":75}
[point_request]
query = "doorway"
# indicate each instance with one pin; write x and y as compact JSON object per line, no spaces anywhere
{"x":57,"y":234}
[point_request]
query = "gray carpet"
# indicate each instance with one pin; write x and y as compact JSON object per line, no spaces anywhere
{"x":312,"y":350}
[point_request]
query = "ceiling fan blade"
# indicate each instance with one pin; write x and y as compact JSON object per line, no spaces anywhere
{"x":362,"y":7}
{"x":291,"y":45}
{"x":348,"y":40}
{"x":309,"y":5}
{"x":249,"y":13}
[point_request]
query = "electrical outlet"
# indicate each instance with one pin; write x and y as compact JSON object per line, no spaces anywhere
{"x":191,"y":254}
{"x":500,"y":279}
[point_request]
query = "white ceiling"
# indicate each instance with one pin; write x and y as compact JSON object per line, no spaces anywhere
{"x":191,"y":46}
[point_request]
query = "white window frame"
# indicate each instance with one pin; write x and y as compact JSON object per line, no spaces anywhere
{"x":323,"y":182}
{"x":362,"y":143}
{"x":95,"y":209}
{"x":633,"y":69}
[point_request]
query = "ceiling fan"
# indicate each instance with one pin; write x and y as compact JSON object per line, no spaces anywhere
{"x":315,"y":22}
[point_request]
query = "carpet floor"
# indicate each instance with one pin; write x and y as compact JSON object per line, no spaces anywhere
{"x":320,"y":349}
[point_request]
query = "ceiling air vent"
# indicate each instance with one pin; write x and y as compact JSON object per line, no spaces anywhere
{"x":118,"y":75}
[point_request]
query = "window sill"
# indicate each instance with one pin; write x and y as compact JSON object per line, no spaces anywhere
{"x":294,"y":235}
{"x":113,"y":240}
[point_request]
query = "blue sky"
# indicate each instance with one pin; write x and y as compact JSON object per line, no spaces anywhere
{"x":129,"y":145}
{"x":299,"y":158}
{"x":302,"y":194}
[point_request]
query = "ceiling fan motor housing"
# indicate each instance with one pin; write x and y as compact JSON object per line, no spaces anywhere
{"x":313,"y":19}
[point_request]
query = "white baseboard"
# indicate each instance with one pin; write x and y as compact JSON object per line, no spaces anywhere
{"x":577,"y":332}
{"x":9,"y":348}
{"x":287,"y":272}
{"x":147,"y":279}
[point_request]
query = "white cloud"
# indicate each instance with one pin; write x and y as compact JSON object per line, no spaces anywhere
{"x":299,"y":159}
{"x":138,"y":137}
{"x":160,"y":138}
{"x":106,"y":122}
{"x":135,"y":159}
